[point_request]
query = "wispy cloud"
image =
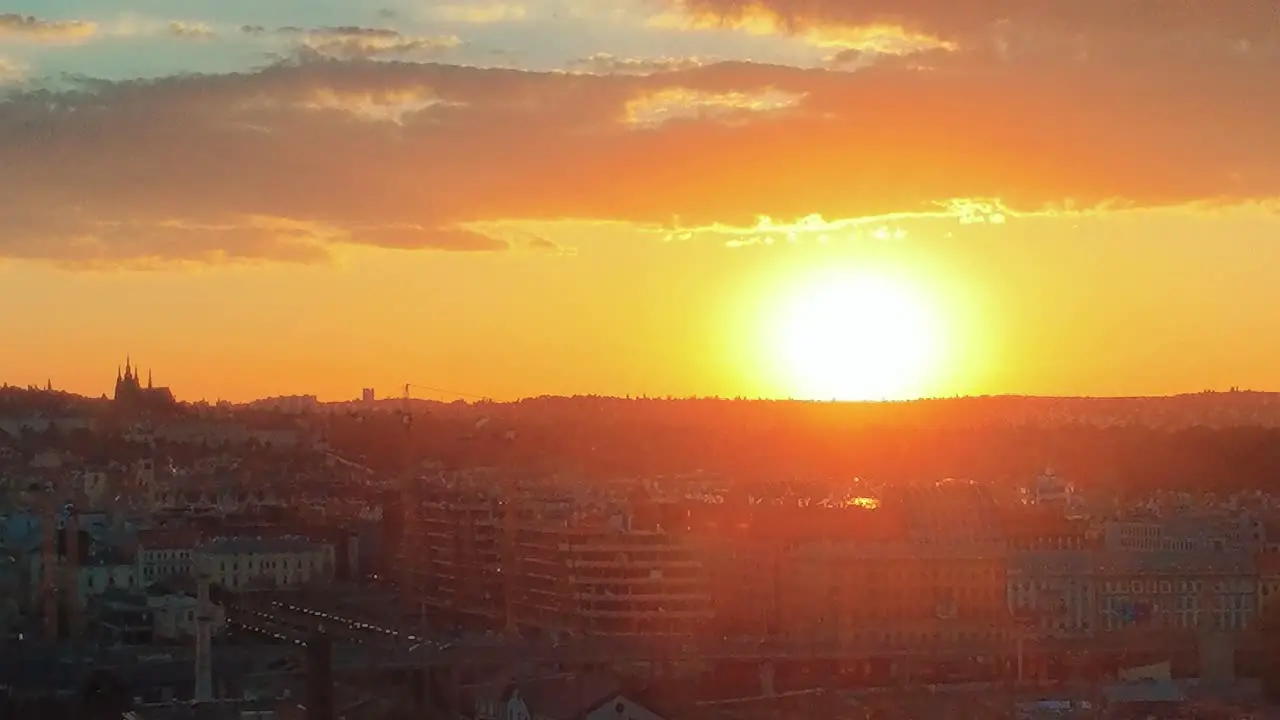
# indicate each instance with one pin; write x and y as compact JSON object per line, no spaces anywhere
{"x":879,"y":37}
{"x":193,"y":30}
{"x":351,"y":42}
{"x":11,"y":71}
{"x":882,"y":228}
{"x":669,"y":104}
{"x":26,"y":27}
{"x":607,"y":64}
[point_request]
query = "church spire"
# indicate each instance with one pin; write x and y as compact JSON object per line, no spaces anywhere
{"x":149,"y":379}
{"x":128,"y":367}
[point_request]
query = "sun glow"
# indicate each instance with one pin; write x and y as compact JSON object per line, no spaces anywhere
{"x":858,"y":336}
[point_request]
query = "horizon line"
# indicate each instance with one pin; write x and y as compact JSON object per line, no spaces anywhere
{"x":477,"y":399}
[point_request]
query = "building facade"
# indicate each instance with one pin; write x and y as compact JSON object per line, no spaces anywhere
{"x":1176,"y":591}
{"x":245,"y":563}
{"x":164,"y":553}
{"x":547,"y":564}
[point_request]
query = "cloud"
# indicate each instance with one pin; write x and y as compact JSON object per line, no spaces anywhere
{"x":26,"y":27}
{"x":1010,"y":27}
{"x":11,"y":72}
{"x":653,"y":109}
{"x":959,"y":19}
{"x":354,"y":43}
{"x":291,"y":160}
{"x":195,"y":31}
{"x":882,"y":228}
{"x":607,"y":64}
{"x":877,"y":36}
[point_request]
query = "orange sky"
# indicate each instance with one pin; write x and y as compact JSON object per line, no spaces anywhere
{"x":557,"y":198}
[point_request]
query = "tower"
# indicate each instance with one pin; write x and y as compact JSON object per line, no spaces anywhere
{"x":204,"y":643}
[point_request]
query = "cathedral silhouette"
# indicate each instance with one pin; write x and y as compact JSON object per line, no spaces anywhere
{"x":131,"y":395}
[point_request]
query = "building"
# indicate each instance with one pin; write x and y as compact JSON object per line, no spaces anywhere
{"x":550,"y":565}
{"x":606,"y":573}
{"x":1268,"y":583}
{"x":1049,"y":489}
{"x":165,"y":552}
{"x":744,"y":555}
{"x":919,"y":568}
{"x":1176,"y":591}
{"x":1053,"y":592}
{"x":246,"y":563}
{"x":174,"y":615}
{"x":131,"y":396}
{"x":97,"y":573}
{"x":1050,"y":583}
{"x":1207,"y":533}
{"x":288,"y":404}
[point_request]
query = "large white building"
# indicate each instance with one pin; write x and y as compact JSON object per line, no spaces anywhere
{"x":245,"y":563}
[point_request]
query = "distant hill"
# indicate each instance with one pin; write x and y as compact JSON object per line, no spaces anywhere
{"x":1206,"y":409}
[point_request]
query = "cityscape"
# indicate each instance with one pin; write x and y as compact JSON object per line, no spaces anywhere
{"x":294,"y":558}
{"x":639,"y":360}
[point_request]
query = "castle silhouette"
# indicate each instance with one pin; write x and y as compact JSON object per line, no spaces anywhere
{"x":131,"y":395}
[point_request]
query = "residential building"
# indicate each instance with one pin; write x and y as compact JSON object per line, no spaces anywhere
{"x":1050,"y":583}
{"x":1175,"y":590}
{"x":1268,"y":583}
{"x":165,"y":552}
{"x":1053,"y":592}
{"x":244,"y":563}
{"x":1202,"y":533}
{"x":925,"y":568}
{"x":549,"y":564}
{"x":99,"y":573}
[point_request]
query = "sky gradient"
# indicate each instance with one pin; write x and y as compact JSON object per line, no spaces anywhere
{"x":561,"y":196}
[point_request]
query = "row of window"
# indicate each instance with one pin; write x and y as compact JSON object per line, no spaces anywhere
{"x":151,"y":555}
{"x":1181,"y":586}
{"x":1185,"y":620}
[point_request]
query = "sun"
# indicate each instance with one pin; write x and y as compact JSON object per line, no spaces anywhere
{"x":850,"y":335}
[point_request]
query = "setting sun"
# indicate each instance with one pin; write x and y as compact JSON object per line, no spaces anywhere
{"x":858,"y":336}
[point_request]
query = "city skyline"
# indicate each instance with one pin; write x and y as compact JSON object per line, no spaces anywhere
{"x":554,"y":197}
